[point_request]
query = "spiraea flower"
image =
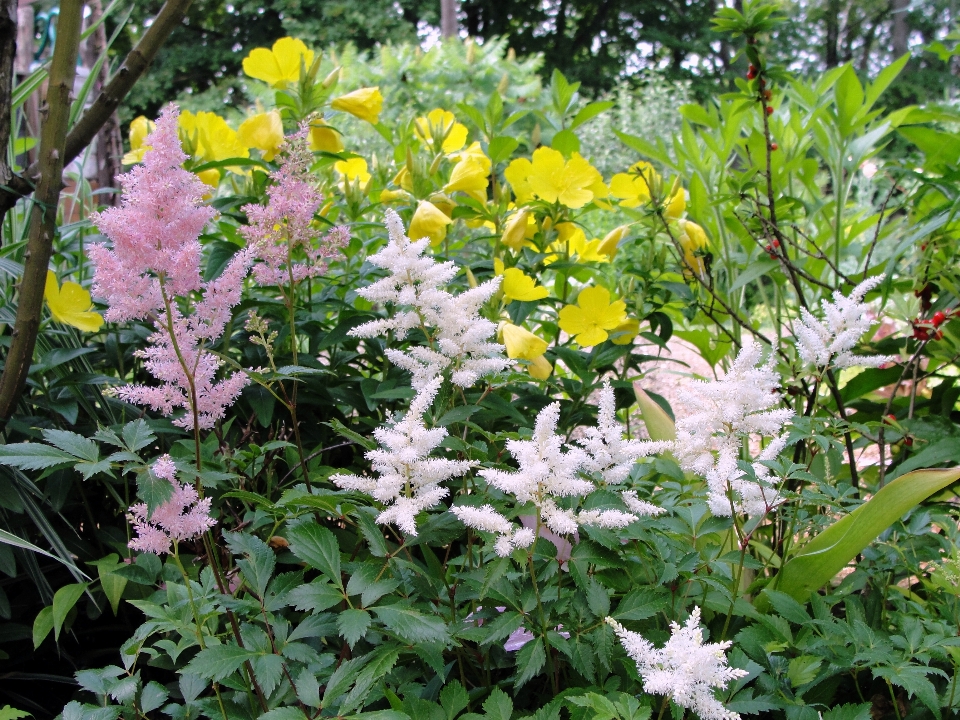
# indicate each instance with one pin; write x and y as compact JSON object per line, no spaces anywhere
{"x":727,"y":412}
{"x":845,"y":320}
{"x":153,"y":270}
{"x":408,"y":479}
{"x":182,"y":517}
{"x":282,"y":232}
{"x":458,"y":337}
{"x":686,"y":669}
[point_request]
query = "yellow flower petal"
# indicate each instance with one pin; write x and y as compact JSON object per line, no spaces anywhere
{"x":365,"y":103}
{"x":264,"y":132}
{"x":515,"y":232}
{"x":540,"y":368}
{"x":497,"y":266}
{"x":567,"y":182}
{"x":429,"y":222}
{"x":517,"y":286}
{"x":71,"y":305}
{"x":518,"y":175}
{"x":592,"y":316}
{"x":442,"y":124}
{"x":521,"y":344}
{"x":352,"y":169}
{"x":281,"y":65}
{"x":676,"y":205}
{"x":468,"y":176}
{"x":625,"y":332}
{"x":324,"y":138}
{"x":611,"y":241}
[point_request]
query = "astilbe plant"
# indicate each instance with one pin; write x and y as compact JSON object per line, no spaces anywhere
{"x":152,"y":271}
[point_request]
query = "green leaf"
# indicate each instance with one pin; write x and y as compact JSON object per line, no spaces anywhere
{"x":344,"y":431}
{"x":412,"y":625}
{"x":453,"y":699}
{"x":258,"y":565}
{"x":913,"y":679}
{"x":216,"y":663}
{"x":756,"y":269}
{"x":803,"y":670}
{"x":501,"y":148}
{"x":823,"y":557}
{"x":597,"y":598}
{"x":308,"y":688}
{"x":884,"y":78}
{"x":112,"y":584}
{"x":284,"y":713}
{"x":382,"y":663}
{"x":34,"y":456}
{"x":314,"y":597}
{"x":498,"y":705}
{"x":63,"y":601}
{"x":590,"y":111}
{"x":343,"y":677}
{"x":317,"y":547}
{"x":458,"y":414}
{"x":503,"y":626}
{"x":42,"y":625}
{"x":940,"y":451}
{"x":787,"y":607}
{"x":153,"y":491}
{"x":137,"y":435}
{"x":530,"y":661}
{"x":10,"y":539}
{"x":9,"y":713}
{"x":352,"y":625}
{"x":77,"y":445}
{"x":153,"y":696}
{"x":848,"y":94}
{"x":658,"y":423}
{"x":566,"y":141}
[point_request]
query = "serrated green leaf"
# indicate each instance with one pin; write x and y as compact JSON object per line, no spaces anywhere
{"x":137,"y":435}
{"x":317,"y":547}
{"x":314,"y":597}
{"x":34,"y":456}
{"x":77,"y":445}
{"x":453,"y":699}
{"x":530,"y":661}
{"x":498,"y":705}
{"x":352,"y":625}
{"x":216,"y":663}
{"x":152,"y":696}
{"x":153,"y":491}
{"x":412,"y":625}
{"x":803,"y":669}
{"x":503,"y":626}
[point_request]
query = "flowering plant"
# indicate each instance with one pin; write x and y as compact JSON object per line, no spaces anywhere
{"x":398,"y":445}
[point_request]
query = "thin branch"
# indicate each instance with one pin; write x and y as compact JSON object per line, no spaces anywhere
{"x":8,"y":51}
{"x":43,"y":215}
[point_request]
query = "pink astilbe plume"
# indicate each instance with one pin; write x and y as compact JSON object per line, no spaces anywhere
{"x":155,"y":259}
{"x":182,"y":517}
{"x":282,"y":230}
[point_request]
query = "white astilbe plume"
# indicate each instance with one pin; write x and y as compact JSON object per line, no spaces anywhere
{"x":685,"y":669}
{"x":845,"y":320}
{"x":726,"y":412}
{"x":486,"y":518}
{"x":459,"y":338}
{"x":409,"y":479}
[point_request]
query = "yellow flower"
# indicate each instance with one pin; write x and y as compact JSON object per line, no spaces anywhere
{"x":210,"y":177}
{"x":139,"y":129}
{"x":475,"y":152}
{"x":611,"y":241}
{"x":365,"y":103}
{"x":324,"y":138}
{"x":625,"y":332}
{"x":429,"y":222}
{"x":518,"y":175}
{"x":71,"y":305}
{"x":522,"y":344}
{"x":517,"y":286}
{"x":633,"y":189}
{"x":693,"y":239}
{"x":515,"y":231}
{"x":389,"y":196}
{"x":404,"y":179}
{"x":280,"y":66}
{"x":676,"y":205}
{"x":572,"y":239}
{"x":264,"y":132}
{"x":567,"y":182}
{"x":592,"y":316}
{"x":469,"y":177}
{"x":210,"y":138}
{"x":442,"y":124}
{"x":352,"y":169}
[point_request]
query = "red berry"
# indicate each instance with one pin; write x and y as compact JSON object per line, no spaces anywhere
{"x":921,"y":333}
{"x":923,"y":247}
{"x":769,"y":110}
{"x":774,"y":147}
{"x":775,"y":243}
{"x":751,"y":73}
{"x":891,"y":417}
{"x":762,"y":83}
{"x":908,"y":441}
{"x":773,"y":256}
{"x":939,"y":318}
{"x":767,"y":94}
{"x":938,"y":335}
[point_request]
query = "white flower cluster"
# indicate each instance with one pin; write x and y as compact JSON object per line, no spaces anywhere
{"x":459,"y":337}
{"x":845,"y":320}
{"x":409,"y":479}
{"x":685,"y":669}
{"x":727,"y":412}
{"x":549,"y":469}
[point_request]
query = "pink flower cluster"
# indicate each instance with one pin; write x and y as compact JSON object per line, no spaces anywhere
{"x":155,"y":259}
{"x":182,"y":517}
{"x":282,"y":230}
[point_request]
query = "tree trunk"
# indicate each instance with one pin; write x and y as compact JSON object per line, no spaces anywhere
{"x":448,"y":18}
{"x":109,"y":142}
{"x":900,"y":33}
{"x":8,"y":51}
{"x":830,"y":55}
